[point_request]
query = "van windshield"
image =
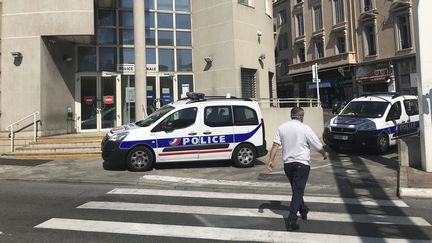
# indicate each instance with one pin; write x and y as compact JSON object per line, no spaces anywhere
{"x":154,"y":116}
{"x":369,"y":109}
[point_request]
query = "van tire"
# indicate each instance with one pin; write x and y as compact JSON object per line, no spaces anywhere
{"x":244,"y":156}
{"x":382,"y":143}
{"x":140,"y":159}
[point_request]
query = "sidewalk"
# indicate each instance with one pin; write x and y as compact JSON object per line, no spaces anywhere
{"x":414,"y":183}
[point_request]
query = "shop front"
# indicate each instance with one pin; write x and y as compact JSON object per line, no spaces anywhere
{"x":377,"y":77}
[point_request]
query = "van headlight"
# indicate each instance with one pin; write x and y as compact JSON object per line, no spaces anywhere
{"x":118,"y":136}
{"x":368,"y":126}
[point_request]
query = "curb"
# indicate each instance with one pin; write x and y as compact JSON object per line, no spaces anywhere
{"x":415,"y":192}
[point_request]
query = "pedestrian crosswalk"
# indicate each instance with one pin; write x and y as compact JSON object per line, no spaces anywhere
{"x":229,"y":211}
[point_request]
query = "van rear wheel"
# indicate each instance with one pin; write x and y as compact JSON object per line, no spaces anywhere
{"x":244,"y":156}
{"x":140,"y":159}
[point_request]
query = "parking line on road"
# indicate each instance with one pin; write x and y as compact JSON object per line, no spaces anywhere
{"x":263,"y":197}
{"x":254,"y":212}
{"x":200,"y":232}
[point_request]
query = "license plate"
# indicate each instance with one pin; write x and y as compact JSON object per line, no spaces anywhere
{"x":340,"y":137}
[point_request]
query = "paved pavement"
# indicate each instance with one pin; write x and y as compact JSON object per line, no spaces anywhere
{"x":344,"y":174}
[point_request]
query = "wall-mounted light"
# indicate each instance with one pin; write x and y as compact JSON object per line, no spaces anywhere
{"x":67,"y":58}
{"x":259,"y":34}
{"x":16,"y":54}
{"x":208,"y":59}
{"x":262,"y":57}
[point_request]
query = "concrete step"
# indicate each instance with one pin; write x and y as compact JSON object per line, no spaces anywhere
{"x":65,"y":144}
{"x":53,"y":155}
{"x":57,"y":150}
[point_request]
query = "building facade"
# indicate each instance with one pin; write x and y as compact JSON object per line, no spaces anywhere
{"x":73,"y":62}
{"x":359,"y":45}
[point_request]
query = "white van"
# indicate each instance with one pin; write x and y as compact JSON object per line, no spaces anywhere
{"x":373,"y":121}
{"x":194,"y":128}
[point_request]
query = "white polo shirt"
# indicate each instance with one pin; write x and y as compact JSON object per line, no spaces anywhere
{"x":296,"y":139}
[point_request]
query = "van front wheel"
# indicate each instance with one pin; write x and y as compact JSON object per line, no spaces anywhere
{"x":244,"y":156}
{"x":140,"y":159}
{"x":383,"y":143}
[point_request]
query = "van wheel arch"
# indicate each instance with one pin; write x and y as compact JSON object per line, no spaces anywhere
{"x":244,"y":155}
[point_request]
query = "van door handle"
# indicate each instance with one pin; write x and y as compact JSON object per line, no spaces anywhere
{"x":192,"y":133}
{"x":207,"y":133}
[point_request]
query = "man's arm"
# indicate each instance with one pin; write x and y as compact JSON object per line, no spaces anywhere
{"x":273,"y":151}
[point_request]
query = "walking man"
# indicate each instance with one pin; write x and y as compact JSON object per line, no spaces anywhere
{"x":296,"y":139}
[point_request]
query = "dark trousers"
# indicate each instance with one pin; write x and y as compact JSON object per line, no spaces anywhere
{"x":297,"y":174}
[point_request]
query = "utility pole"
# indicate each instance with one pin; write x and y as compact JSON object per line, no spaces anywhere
{"x":316,"y":80}
{"x":423,"y":38}
{"x":140,"y":61}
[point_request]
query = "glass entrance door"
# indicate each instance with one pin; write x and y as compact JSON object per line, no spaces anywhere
{"x":97,"y":107}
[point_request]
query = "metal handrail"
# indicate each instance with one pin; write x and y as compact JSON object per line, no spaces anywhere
{"x":11,"y":128}
{"x":296,"y":101}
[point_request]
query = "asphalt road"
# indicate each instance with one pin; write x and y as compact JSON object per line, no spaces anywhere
{"x":55,"y":212}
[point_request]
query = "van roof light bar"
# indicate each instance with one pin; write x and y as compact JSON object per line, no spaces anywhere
{"x":195,"y":96}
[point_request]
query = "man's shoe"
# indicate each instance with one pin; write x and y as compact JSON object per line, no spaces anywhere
{"x":304,"y":215}
{"x":293,"y":227}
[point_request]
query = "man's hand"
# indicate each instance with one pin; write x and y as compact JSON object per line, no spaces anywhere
{"x":325,"y":156}
{"x":270,"y":166}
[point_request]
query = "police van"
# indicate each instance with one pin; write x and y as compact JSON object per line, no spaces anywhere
{"x":190,"y":129}
{"x":373,"y":121}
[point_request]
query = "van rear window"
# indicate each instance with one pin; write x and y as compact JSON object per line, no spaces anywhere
{"x":244,"y":116}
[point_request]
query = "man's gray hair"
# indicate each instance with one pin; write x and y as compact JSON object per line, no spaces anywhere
{"x":297,"y":113}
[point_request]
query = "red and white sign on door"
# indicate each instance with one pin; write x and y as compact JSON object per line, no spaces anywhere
{"x":89,"y":100}
{"x":108,"y":100}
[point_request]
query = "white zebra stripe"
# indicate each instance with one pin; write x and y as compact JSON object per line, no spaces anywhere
{"x":209,"y":233}
{"x":265,"y":197}
{"x":255,"y":212}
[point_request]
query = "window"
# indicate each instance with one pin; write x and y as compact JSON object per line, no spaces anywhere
{"x":126,"y":37}
{"x":107,"y":58}
{"x":395,"y":112}
{"x":244,"y":116}
{"x":166,"y":59}
{"x":183,"y":38}
{"x":165,"y":20}
{"x":106,"y":36}
{"x":149,"y":19}
{"x":411,"y":107}
{"x":339,"y":12}
{"x":183,"y":21}
{"x":218,"y":116}
{"x":126,"y":18}
{"x":149,"y":4}
{"x":340,"y":44}
{"x":86,"y":59}
{"x":248,"y":82}
{"x":180,"y":119}
{"x":150,"y":37}
{"x":284,"y":67}
{"x":300,"y":24}
{"x":164,"y":5}
{"x":127,"y":55}
{"x":301,"y":54}
{"x":404,"y":31}
{"x":317,"y":18}
{"x":370,"y":40}
{"x":182,"y":5}
{"x":319,"y":49}
{"x":165,"y":38}
{"x":150,"y":55}
{"x":106,"y":18}
{"x":283,"y":41}
{"x":281,"y":17}
{"x":246,"y":2}
{"x":184,"y":60}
